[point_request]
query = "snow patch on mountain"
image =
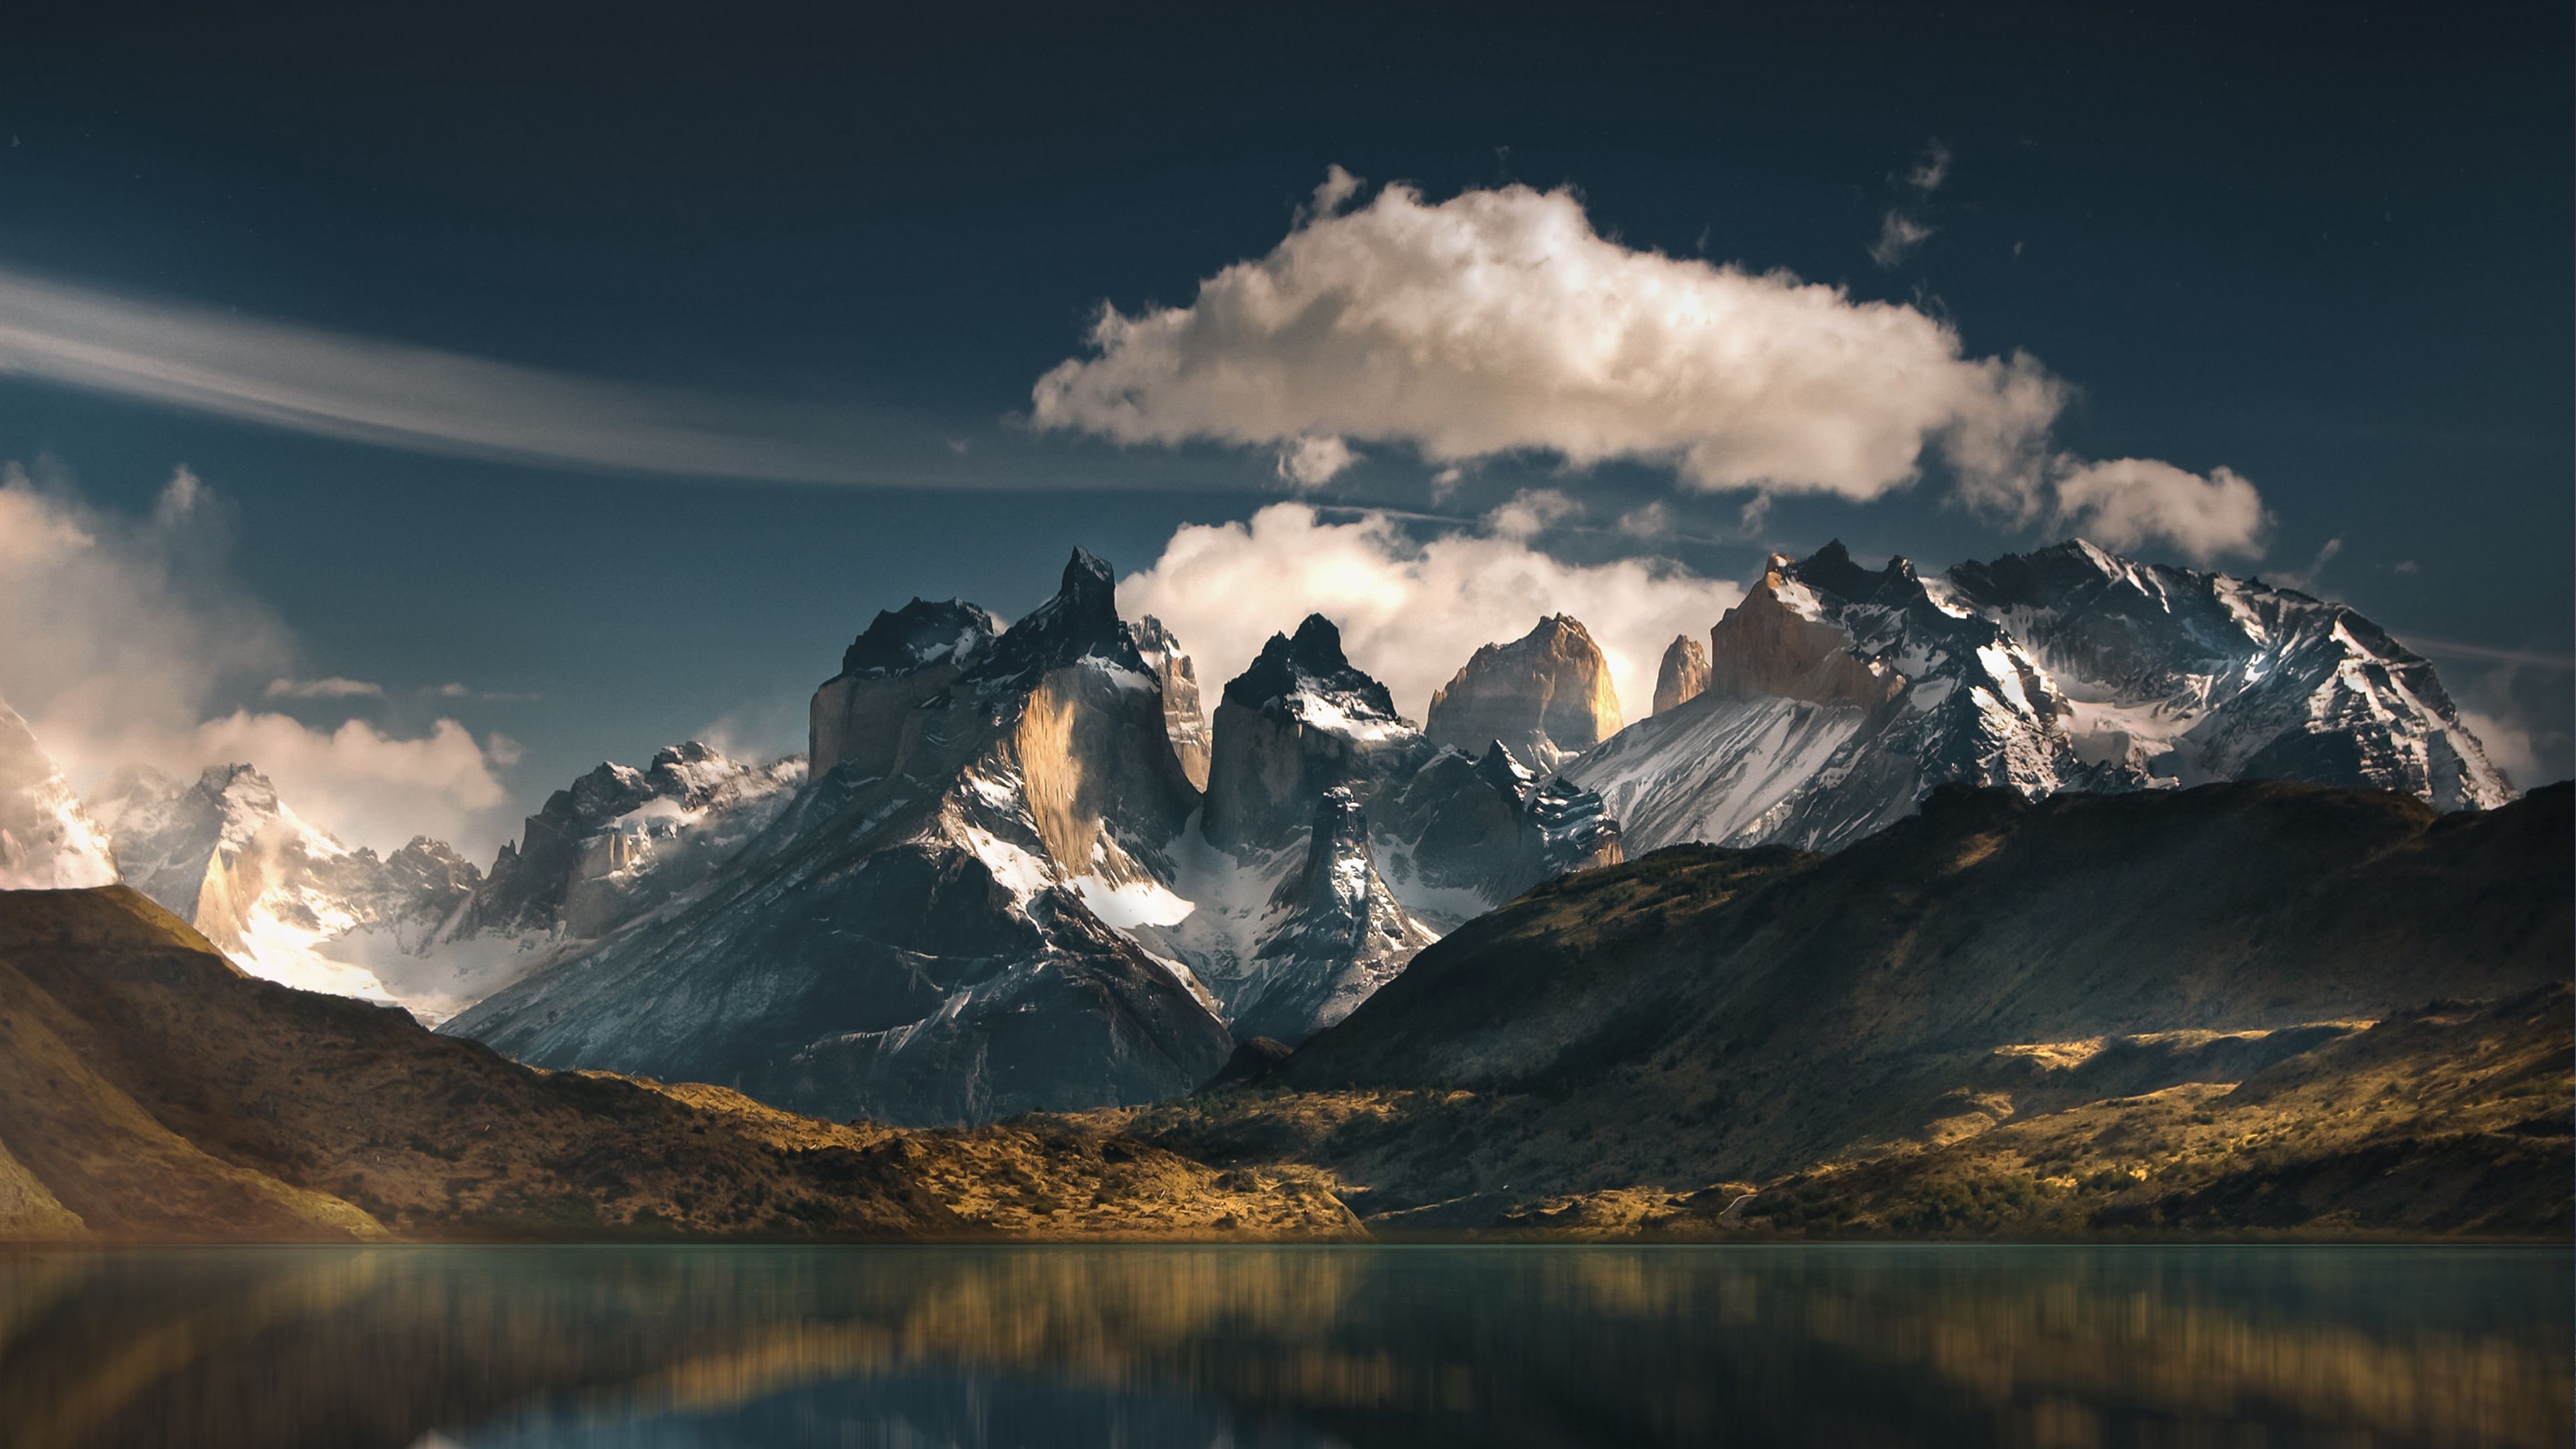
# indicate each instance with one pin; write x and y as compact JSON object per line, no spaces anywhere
{"x":48,"y":841}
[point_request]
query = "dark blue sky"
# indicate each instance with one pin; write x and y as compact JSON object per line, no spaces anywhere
{"x":2328,"y":248}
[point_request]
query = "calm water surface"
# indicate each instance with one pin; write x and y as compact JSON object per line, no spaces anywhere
{"x":690,"y":1348}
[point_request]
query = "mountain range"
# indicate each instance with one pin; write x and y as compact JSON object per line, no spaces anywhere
{"x":1026,"y":870}
{"x":1835,"y":696}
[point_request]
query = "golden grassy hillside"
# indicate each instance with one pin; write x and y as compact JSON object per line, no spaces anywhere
{"x":151,"y":1091}
{"x":2238,"y":1009}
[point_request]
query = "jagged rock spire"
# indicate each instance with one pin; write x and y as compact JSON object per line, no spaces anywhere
{"x":1683,"y":676}
{"x":1546,"y":694}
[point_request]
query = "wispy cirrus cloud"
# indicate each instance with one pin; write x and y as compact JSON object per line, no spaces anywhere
{"x":418,"y":398}
{"x":1903,"y":228}
{"x":333,"y":687}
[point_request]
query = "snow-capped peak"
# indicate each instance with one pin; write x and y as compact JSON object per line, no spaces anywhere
{"x":48,"y":841}
{"x":1839,"y":695}
{"x":1305,"y":676}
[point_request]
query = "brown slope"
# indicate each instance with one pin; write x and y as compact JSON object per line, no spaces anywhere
{"x":1704,"y":1016}
{"x":159,"y":1093}
{"x":151,"y":1091}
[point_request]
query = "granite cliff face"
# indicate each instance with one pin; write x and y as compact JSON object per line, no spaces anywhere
{"x":1299,"y":722}
{"x":47,"y":839}
{"x":1546,"y":695}
{"x":1683,"y":676}
{"x":1339,"y":935}
{"x":906,"y":656}
{"x":1839,"y":696}
{"x":1184,"y":717}
{"x":1777,"y":644}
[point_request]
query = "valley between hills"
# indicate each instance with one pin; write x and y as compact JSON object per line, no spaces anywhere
{"x":2062,"y":897}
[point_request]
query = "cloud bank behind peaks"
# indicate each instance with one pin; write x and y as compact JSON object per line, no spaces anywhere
{"x":128,"y":641}
{"x":1411,"y":612}
{"x":1500,"y":322}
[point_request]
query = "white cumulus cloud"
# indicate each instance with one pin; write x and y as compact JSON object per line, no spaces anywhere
{"x":1312,"y":462}
{"x":2128,"y":502}
{"x":1499,"y":322}
{"x":124,"y":640}
{"x":1411,"y":611}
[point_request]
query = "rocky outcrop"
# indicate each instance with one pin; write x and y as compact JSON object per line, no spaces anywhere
{"x":47,"y":839}
{"x":1184,"y":717}
{"x":1683,"y":676}
{"x":1337,"y":840}
{"x":1776,"y":645}
{"x":1300,"y":722}
{"x":906,"y":656}
{"x":1546,"y":695}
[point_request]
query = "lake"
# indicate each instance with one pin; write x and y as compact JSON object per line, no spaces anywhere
{"x":698,"y":1347}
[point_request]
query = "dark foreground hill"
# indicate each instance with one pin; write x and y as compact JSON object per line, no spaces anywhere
{"x":151,"y":1091}
{"x":2240,"y":1007}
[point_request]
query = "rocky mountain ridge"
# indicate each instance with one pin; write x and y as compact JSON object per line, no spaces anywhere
{"x":423,"y":927}
{"x":1008,"y":893}
{"x":1838,"y":696}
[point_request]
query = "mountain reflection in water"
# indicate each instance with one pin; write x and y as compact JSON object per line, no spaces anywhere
{"x":1245,"y":1346}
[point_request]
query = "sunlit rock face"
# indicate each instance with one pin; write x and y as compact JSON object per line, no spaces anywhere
{"x":47,"y":839}
{"x":1184,"y":717}
{"x":1546,"y":695}
{"x":1683,"y":676}
{"x":1840,"y":695}
{"x":1777,"y":645}
{"x":277,"y":894}
{"x":904,"y":657}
